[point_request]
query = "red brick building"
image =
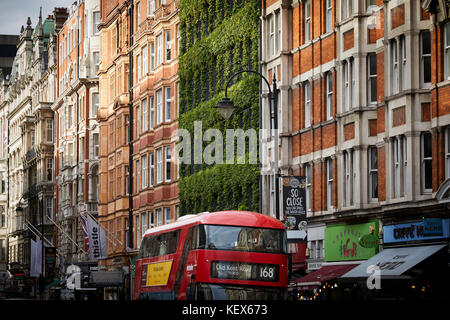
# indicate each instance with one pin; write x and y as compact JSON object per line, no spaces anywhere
{"x":363,"y":110}
{"x":152,"y":83}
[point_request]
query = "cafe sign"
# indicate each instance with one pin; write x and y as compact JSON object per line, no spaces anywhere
{"x":427,"y":229}
{"x":345,"y":242}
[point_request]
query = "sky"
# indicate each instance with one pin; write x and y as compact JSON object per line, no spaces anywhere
{"x":14,"y":13}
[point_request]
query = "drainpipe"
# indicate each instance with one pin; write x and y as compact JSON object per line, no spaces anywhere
{"x":78,"y":112}
{"x":7,"y":194}
{"x":130,"y":131}
{"x":130,"y":147}
{"x":260,"y":109}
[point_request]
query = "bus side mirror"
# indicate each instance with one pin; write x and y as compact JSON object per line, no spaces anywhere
{"x":289,"y":256}
{"x":191,"y":291}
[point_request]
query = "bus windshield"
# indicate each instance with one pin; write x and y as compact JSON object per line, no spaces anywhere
{"x":206,"y":291}
{"x":214,"y":237}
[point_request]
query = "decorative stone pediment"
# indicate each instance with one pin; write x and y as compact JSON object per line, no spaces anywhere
{"x":443,"y":193}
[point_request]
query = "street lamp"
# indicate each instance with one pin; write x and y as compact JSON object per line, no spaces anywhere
{"x":226,"y":107}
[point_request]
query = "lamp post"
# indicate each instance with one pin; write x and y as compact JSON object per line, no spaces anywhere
{"x":226,"y":108}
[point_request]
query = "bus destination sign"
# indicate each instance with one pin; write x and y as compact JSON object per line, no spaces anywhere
{"x":244,"y":271}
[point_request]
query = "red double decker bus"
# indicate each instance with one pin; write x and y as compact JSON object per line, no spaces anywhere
{"x":227,"y":255}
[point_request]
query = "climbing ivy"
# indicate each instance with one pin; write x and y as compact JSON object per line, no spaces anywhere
{"x":218,"y":38}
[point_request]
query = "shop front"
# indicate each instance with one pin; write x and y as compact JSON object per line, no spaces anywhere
{"x":414,"y":263}
{"x":345,"y":247}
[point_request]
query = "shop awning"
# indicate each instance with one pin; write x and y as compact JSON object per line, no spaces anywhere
{"x":53,"y":283}
{"x":394,"y":261}
{"x":325,"y":273}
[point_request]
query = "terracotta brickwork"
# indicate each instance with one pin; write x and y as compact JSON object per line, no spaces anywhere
{"x":426,"y":112}
{"x":373,"y":128}
{"x":349,"y":39}
{"x":349,"y":131}
{"x":398,"y":116}
{"x":398,"y":16}
{"x":439,"y":109}
{"x":153,"y":119}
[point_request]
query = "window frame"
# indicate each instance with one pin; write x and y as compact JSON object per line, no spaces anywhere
{"x":307,"y":90}
{"x":152,"y":57}
{"x":348,"y":177}
{"x":395,"y":74}
{"x":271,"y":35}
{"x":144,"y":107}
{"x":151,"y":5}
{"x":330,"y":182}
{"x":328,"y":15}
{"x":373,"y":173}
{"x":447,"y":151}
{"x":396,"y":168}
{"x":151,"y":164}
{"x":446,"y":53}
{"x":167,"y":210}
{"x":144,"y":53}
{"x":159,"y":166}
{"x":144,"y":167}
{"x":168,"y":45}
{"x":329,"y":93}
{"x":404,"y":147}
{"x":96,"y":22}
{"x":423,"y":58}
{"x":151,"y":103}
{"x":159,"y":106}
{"x":372,"y":77}
{"x":346,"y":85}
{"x":159,"y":217}
{"x":403,"y":62}
{"x":167,"y":103}
{"x":307,"y":21}
{"x":424,"y":160}
{"x":159,"y":49}
{"x":167,"y":163}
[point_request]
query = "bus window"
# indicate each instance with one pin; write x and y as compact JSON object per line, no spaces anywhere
{"x":214,"y":237}
{"x":159,"y":245}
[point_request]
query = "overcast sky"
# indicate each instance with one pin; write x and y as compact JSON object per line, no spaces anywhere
{"x":14,"y":13}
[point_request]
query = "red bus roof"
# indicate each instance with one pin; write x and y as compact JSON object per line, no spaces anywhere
{"x":230,"y":218}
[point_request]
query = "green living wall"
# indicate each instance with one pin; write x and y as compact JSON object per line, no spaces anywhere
{"x":218,"y":39}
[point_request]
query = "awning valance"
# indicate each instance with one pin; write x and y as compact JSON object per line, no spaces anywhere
{"x":325,"y":273}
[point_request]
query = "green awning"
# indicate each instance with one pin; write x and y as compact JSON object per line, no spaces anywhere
{"x":55,"y":282}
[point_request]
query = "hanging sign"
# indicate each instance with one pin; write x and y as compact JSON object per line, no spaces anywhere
{"x":294,"y":206}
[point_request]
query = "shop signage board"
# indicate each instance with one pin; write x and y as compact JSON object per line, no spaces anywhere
{"x":432,"y":227}
{"x":294,"y":206}
{"x":416,"y":231}
{"x":314,"y":265}
{"x":345,"y":242}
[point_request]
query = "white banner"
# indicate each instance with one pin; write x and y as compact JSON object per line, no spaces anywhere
{"x":97,"y":240}
{"x":36,"y":258}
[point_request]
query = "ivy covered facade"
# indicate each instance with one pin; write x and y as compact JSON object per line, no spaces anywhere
{"x":217,"y":39}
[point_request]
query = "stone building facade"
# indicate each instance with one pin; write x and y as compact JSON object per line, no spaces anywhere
{"x":8,"y":47}
{"x":28,"y":95}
